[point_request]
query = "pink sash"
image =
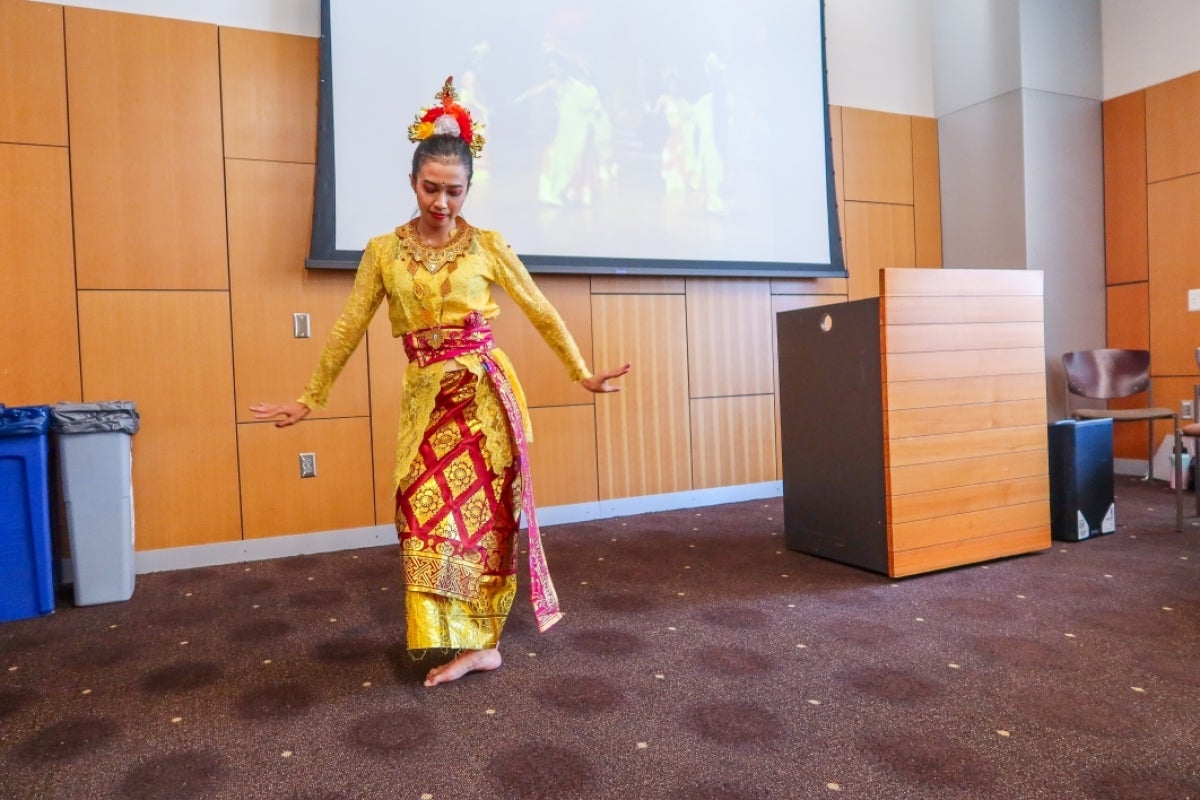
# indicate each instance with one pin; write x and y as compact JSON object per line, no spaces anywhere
{"x":431,"y":345}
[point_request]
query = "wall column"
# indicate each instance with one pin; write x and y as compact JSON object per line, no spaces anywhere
{"x":1017,"y":94}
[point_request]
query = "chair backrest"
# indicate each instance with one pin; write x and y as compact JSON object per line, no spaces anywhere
{"x":1107,"y":373}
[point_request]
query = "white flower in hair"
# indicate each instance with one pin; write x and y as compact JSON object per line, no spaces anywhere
{"x":447,"y":124}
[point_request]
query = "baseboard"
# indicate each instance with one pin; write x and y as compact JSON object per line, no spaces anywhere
{"x":208,"y":555}
{"x":1130,"y":466}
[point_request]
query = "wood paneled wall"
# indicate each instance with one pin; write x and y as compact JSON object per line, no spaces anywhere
{"x":155,"y":185}
{"x":1152,"y":199}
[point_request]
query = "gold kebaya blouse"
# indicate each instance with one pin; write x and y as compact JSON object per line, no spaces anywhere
{"x":429,"y":287}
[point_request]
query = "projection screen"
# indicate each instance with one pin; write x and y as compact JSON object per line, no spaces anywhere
{"x":623,"y":136}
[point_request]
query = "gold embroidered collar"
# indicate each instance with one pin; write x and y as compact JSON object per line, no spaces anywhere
{"x":430,"y":257}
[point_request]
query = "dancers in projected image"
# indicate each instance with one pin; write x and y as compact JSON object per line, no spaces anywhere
{"x":691,"y":155}
{"x":579,"y":157}
{"x":469,"y":97}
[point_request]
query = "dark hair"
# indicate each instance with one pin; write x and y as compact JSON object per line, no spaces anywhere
{"x":443,"y":147}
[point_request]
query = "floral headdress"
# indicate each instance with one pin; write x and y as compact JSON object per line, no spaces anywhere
{"x":448,"y":117}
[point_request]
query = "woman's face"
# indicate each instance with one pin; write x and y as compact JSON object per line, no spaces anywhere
{"x":441,"y":188}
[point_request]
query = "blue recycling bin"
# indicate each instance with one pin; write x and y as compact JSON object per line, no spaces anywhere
{"x":26,"y":568}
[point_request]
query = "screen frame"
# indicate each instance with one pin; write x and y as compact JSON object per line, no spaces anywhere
{"x":324,"y":255}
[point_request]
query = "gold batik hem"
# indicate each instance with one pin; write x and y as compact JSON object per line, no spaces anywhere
{"x":438,"y":622}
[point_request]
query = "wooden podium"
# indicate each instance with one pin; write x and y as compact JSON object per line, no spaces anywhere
{"x":914,"y":424}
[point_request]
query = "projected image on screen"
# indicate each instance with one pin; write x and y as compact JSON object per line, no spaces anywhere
{"x":620,"y":135}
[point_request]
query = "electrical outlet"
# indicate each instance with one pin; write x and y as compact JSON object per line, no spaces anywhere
{"x":1186,"y":410}
{"x":308,"y":465}
{"x":1193,"y":299}
{"x":301,"y":328}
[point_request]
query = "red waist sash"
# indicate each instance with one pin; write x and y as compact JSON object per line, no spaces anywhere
{"x":431,"y":345}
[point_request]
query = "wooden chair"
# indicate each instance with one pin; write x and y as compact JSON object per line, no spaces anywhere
{"x":1109,"y":374}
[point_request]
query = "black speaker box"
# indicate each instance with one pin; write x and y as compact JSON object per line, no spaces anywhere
{"x":1081,"y":479}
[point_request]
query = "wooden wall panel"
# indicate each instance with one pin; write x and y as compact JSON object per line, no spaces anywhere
{"x":146,"y":162}
{"x":40,"y":361}
{"x":1125,"y":244}
{"x":1128,"y":317}
{"x":636,"y":284}
{"x":1173,"y":129}
{"x":729,"y":337}
{"x":643,"y":431}
{"x":877,"y":236}
{"x":33,"y":81}
{"x":269,"y":85}
{"x":563,"y":455}
{"x":387,"y":364}
{"x":171,"y":353}
{"x":878,"y":150}
{"x":733,"y":441}
{"x":1168,"y":392}
{"x":270,"y":209}
{"x":1128,"y":321}
{"x":543,"y":377}
{"x":1174,"y":242}
{"x":927,"y":192}
{"x":276,"y":501}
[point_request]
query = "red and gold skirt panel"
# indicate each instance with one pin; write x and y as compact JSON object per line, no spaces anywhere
{"x":457,"y":522}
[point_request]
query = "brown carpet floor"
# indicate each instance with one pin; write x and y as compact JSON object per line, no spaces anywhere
{"x":699,"y":660}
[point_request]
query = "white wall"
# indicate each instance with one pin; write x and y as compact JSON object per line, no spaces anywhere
{"x":879,"y":55}
{"x":302,"y":17}
{"x":976,"y":52}
{"x":879,"y":51}
{"x":1061,"y":47}
{"x":1147,"y":42}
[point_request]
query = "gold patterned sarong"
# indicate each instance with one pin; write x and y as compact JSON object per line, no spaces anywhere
{"x":457,"y":522}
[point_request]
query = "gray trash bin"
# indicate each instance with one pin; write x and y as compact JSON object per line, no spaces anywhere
{"x":95,"y":466}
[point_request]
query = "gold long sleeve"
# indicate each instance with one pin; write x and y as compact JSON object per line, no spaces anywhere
{"x":514,"y":278}
{"x":348,"y":331}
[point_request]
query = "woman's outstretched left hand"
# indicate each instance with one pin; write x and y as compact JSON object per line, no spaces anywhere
{"x":599,"y":383}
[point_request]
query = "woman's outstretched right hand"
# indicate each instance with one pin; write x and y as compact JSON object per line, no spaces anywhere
{"x":292,"y":412}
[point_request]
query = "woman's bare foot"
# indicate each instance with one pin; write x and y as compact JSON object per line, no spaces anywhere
{"x":467,"y":661}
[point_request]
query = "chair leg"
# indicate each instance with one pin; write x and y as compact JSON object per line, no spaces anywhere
{"x":1150,"y":451}
{"x":1195,"y":485}
{"x":1178,"y":477}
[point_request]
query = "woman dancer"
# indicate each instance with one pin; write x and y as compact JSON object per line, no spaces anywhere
{"x":462,"y":473}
